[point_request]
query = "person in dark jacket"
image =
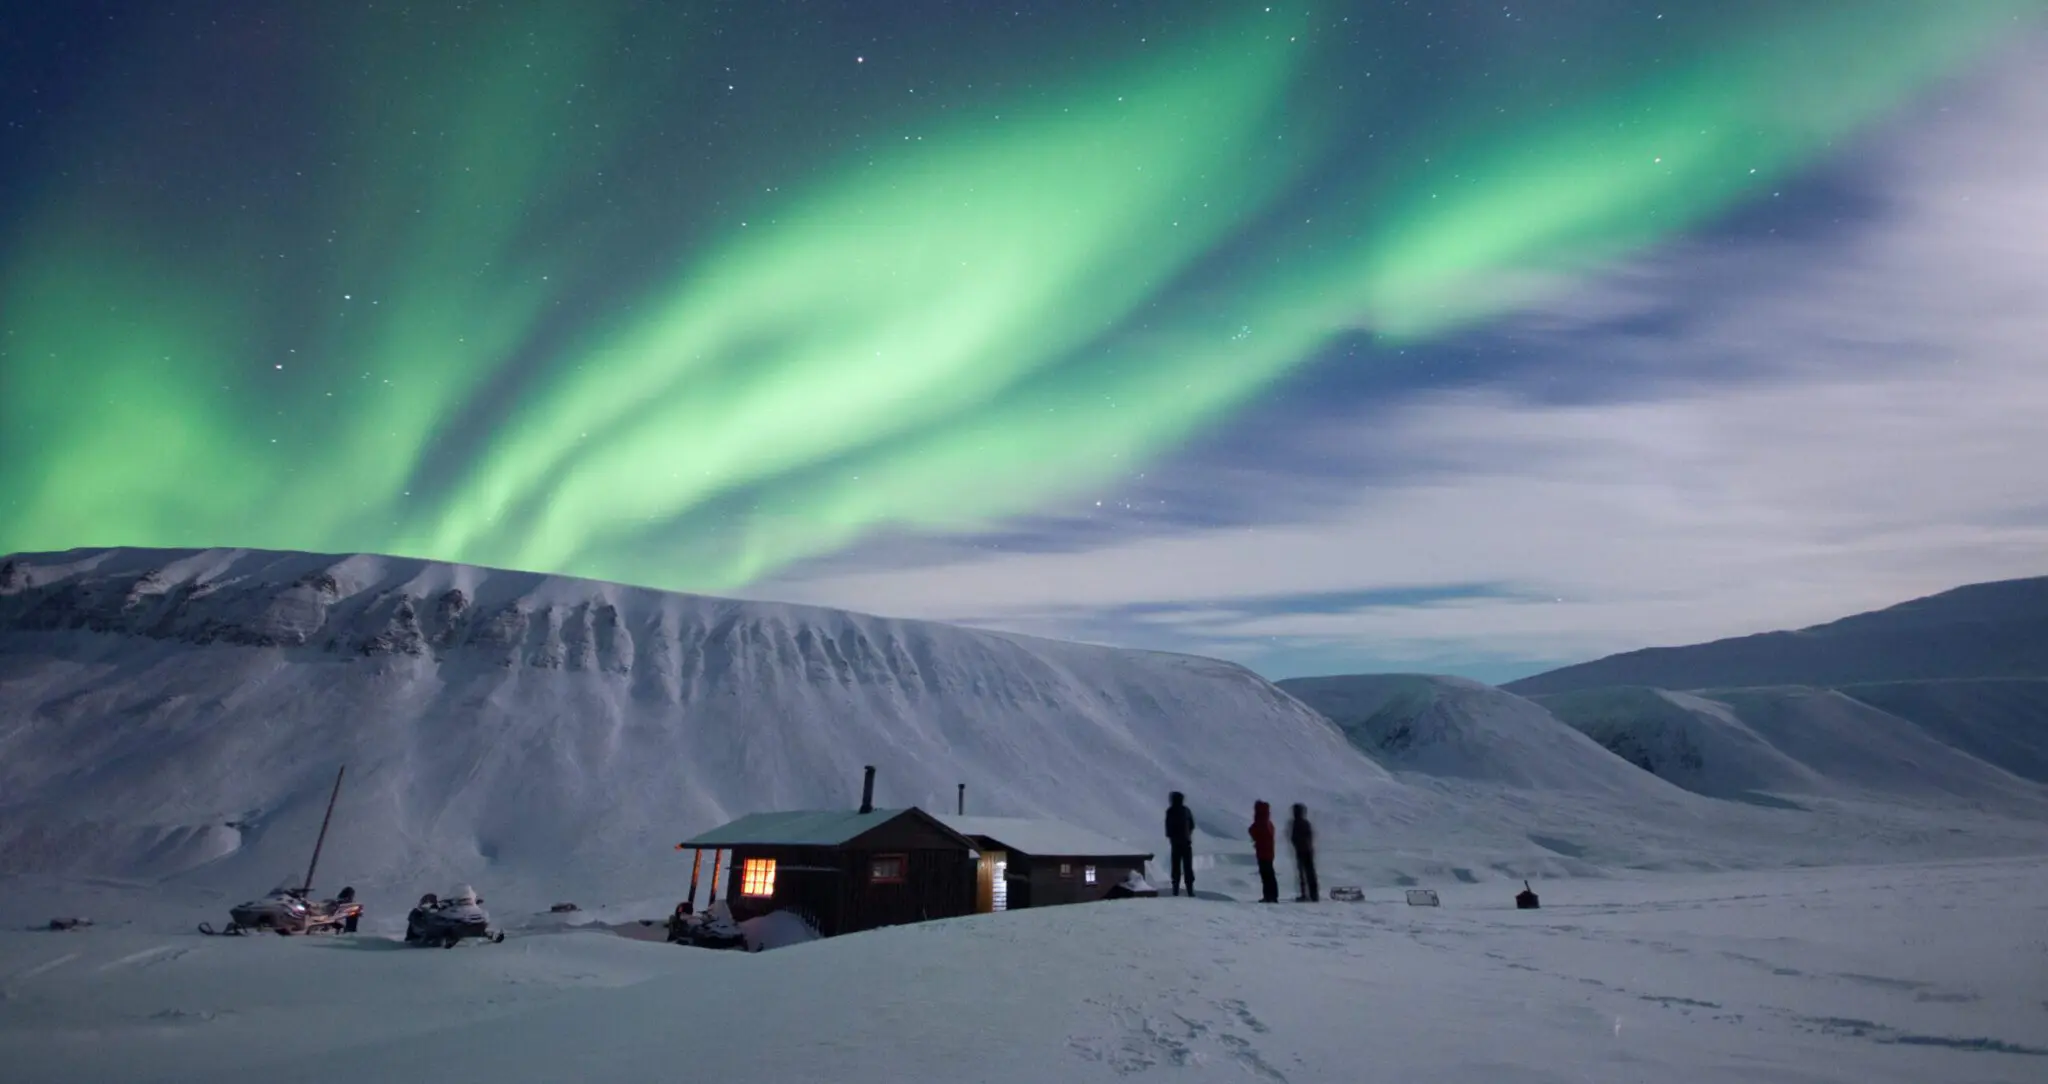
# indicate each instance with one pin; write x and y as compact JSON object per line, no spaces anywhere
{"x":1303,"y":835}
{"x":1180,"y":840}
{"x":1262,"y":849}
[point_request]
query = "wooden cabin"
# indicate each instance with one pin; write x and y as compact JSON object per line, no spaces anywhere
{"x":1039,"y":863}
{"x":850,"y":871}
{"x":844,"y":871}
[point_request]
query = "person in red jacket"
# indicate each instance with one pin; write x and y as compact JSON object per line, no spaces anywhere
{"x":1262,"y":849}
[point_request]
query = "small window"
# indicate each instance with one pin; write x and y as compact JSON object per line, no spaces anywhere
{"x":1088,"y":875}
{"x":757,"y":877}
{"x":888,"y":869}
{"x":1066,"y":869}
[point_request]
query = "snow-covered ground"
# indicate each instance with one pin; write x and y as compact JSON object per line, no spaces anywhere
{"x":1905,"y":973}
{"x":170,"y":724}
{"x":178,"y":716}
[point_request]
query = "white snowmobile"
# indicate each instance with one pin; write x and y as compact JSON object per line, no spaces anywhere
{"x":286,"y":911}
{"x":446,"y":921}
{"x":288,"y":908}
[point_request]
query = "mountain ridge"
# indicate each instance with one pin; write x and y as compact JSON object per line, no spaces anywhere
{"x":149,"y":698}
{"x":1997,"y":629}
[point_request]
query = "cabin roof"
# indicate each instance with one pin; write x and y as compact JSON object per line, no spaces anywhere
{"x":1043,"y":838}
{"x":808,"y":828}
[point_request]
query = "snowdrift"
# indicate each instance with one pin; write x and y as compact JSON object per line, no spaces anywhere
{"x":1986,"y":630}
{"x":168,"y":712}
{"x":1456,"y":728}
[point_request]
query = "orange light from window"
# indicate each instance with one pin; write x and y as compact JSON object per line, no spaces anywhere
{"x":757,"y":877}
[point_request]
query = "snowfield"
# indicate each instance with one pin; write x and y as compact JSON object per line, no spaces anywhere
{"x":1908,"y":973}
{"x":1754,"y":884}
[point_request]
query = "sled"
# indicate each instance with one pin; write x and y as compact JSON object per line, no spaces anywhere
{"x":1423,"y":897}
{"x":1348,"y":894}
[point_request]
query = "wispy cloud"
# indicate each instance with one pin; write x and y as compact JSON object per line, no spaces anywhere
{"x":1754,"y":434}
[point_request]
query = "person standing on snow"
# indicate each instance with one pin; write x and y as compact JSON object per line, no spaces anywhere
{"x":1262,"y":849}
{"x":1180,"y":840}
{"x":1303,"y":835}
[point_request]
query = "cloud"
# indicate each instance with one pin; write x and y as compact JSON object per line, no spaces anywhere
{"x":1819,"y":429}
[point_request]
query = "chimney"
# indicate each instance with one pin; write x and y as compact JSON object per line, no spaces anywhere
{"x":963,"y":799}
{"x":867,"y":791}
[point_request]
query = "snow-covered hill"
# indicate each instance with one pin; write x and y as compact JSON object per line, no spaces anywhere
{"x":167,"y":711}
{"x":176,"y":718}
{"x":1999,"y":722}
{"x":1692,"y":741}
{"x":1986,"y":630}
{"x":1462,"y":729}
{"x":1747,"y":743}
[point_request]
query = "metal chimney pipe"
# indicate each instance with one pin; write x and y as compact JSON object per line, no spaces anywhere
{"x":867,"y":791}
{"x":963,"y":799}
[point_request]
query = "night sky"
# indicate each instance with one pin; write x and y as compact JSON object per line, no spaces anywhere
{"x":1464,"y":337}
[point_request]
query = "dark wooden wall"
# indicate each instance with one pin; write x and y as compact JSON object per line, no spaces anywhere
{"x":938,"y":884}
{"x":1048,"y":888}
{"x":830,"y":887}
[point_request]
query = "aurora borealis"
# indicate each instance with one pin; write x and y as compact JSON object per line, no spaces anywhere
{"x":683,"y":295}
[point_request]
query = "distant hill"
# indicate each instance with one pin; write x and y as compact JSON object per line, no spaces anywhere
{"x":1999,"y":721}
{"x":1752,"y":743}
{"x":1986,"y":630}
{"x":1453,"y":728}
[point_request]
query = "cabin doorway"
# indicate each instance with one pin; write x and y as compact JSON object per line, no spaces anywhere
{"x":992,"y":885}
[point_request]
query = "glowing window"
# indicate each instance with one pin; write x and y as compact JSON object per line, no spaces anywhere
{"x":1088,"y":875}
{"x":888,"y":869}
{"x":757,"y":877}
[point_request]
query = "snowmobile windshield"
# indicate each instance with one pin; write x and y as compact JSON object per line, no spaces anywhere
{"x":288,"y":886}
{"x":463,"y":894}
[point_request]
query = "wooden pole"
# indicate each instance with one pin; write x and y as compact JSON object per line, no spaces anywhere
{"x":712,"y":900}
{"x":318,"y":843}
{"x":696,"y":864}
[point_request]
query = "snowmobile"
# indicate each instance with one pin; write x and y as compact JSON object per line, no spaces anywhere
{"x":287,"y":910}
{"x":446,"y":921}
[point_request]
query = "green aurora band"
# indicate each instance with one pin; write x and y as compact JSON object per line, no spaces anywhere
{"x":930,"y":334}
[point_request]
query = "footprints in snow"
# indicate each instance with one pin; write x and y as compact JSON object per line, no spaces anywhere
{"x":1142,"y":1040}
{"x":147,"y":957}
{"x":1881,"y":1033}
{"x":1244,"y":1015}
{"x":1686,"y":1001}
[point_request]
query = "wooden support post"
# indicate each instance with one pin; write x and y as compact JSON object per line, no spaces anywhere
{"x":307,"y":888}
{"x":696,"y":864}
{"x":712,"y":900}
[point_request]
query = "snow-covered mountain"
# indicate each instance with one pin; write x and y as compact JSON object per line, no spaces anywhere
{"x":1694,"y":742}
{"x":2001,"y":722}
{"x":1986,"y":630}
{"x":163,"y":711}
{"x":177,"y":718}
{"x":1462,"y":729}
{"x":1745,"y":743}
